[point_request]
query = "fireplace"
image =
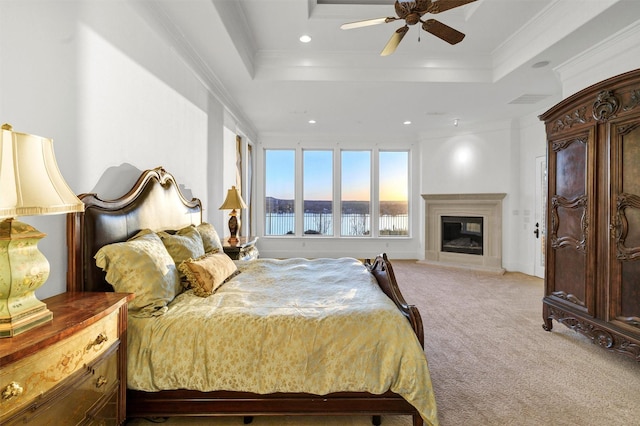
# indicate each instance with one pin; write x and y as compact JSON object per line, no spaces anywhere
{"x":470,"y":222}
{"x":462,"y":234}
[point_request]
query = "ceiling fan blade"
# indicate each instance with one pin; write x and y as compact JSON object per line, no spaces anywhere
{"x":442,"y":5}
{"x":366,"y":23}
{"x":442,"y":31}
{"x":394,"y":41}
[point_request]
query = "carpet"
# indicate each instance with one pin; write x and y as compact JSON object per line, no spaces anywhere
{"x":492,"y":363}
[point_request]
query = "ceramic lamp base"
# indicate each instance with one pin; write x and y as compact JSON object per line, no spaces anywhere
{"x":23,"y":269}
{"x":234,"y":226}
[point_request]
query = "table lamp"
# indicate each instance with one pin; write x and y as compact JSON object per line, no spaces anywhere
{"x":30,"y":185}
{"x":233,"y":201}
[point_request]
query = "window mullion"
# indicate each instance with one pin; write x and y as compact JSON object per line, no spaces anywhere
{"x":375,"y":185}
{"x":299,"y":192}
{"x":337,"y":198}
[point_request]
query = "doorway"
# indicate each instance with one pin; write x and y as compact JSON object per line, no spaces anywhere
{"x":540,"y":225}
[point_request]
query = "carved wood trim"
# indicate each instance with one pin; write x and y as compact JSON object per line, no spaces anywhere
{"x":382,"y":270}
{"x":634,"y":100}
{"x":632,"y":321}
{"x":620,"y":226}
{"x":605,"y":106}
{"x":600,"y":336}
{"x":568,"y":241}
{"x":559,"y":145}
{"x":623,"y":129}
{"x":578,"y":116}
{"x":569,"y":298}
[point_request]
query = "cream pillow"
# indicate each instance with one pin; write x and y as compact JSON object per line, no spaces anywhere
{"x":185,"y":244}
{"x":209,"y":272}
{"x":210,"y":238}
{"x":142,"y":266}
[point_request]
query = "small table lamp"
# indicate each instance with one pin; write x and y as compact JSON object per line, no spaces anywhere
{"x":233,"y":201}
{"x":30,"y":184}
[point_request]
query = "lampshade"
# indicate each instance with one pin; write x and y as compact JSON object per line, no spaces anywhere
{"x":30,"y":181}
{"x":233,"y":200}
{"x":30,"y":184}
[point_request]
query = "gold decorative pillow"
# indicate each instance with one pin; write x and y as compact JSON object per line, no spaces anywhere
{"x":209,"y":272}
{"x":142,"y":266}
{"x":185,"y":244}
{"x":210,"y":238}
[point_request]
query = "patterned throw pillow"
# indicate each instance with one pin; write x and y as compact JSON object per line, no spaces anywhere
{"x":209,"y":272}
{"x":185,"y":244}
{"x":210,"y":238}
{"x":141,"y":266}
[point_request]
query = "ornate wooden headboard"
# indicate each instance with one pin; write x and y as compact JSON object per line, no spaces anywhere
{"x":155,"y":202}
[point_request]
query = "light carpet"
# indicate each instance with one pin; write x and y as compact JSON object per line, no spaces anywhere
{"x":492,"y":363}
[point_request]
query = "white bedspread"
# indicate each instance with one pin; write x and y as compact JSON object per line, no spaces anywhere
{"x":296,"y":325}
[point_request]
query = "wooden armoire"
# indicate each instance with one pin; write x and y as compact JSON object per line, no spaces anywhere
{"x":592,"y":282}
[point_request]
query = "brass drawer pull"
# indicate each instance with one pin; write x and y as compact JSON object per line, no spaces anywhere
{"x":102,"y":337}
{"x":101,"y":381}
{"x":12,"y":390}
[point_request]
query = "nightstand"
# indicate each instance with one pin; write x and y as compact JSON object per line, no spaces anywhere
{"x":72,"y":370}
{"x":242,"y":249}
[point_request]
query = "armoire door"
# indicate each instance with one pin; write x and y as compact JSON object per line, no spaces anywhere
{"x":570,"y":267}
{"x":624,"y":309}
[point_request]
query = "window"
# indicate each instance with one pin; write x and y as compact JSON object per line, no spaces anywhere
{"x":394,"y":192}
{"x":356,"y":193}
{"x":341,"y":192}
{"x":280,"y":192}
{"x":318,"y":192}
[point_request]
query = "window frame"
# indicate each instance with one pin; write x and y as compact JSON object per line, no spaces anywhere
{"x":337,"y":193}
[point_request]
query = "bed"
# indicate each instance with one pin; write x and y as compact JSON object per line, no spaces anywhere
{"x":320,"y":384}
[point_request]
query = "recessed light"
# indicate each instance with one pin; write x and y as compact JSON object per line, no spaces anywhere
{"x":305,"y":38}
{"x":406,"y":123}
{"x":312,"y":121}
{"x":540,"y":64}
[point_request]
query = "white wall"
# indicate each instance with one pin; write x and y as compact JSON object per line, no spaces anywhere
{"x":115,"y":98}
{"x":476,"y":160}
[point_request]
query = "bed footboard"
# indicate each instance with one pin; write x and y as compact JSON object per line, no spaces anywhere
{"x":382,"y":270}
{"x":245,"y":404}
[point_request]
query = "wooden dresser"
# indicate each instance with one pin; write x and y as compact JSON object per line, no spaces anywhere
{"x":592,"y":281}
{"x":71,"y":370}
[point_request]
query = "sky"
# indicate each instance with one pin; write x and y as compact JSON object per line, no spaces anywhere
{"x":318,"y":175}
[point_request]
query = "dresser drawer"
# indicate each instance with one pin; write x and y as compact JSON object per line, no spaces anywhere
{"x":89,"y":396}
{"x":25,"y":380}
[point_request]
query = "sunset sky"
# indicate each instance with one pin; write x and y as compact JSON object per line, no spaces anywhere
{"x":318,"y":175}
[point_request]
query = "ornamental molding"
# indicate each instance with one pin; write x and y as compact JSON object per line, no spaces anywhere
{"x":578,"y":116}
{"x":605,"y":106}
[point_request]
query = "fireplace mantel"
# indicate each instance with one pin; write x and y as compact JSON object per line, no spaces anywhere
{"x":485,"y":205}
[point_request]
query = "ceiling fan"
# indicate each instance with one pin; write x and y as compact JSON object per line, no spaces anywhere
{"x":412,"y":12}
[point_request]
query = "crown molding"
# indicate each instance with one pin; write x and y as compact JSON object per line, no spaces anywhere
{"x":614,"y":55}
{"x":557,"y":21}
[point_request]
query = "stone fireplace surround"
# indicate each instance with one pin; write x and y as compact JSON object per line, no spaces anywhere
{"x":485,"y":205}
